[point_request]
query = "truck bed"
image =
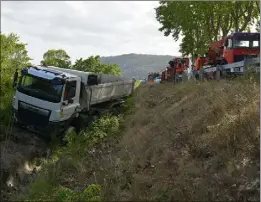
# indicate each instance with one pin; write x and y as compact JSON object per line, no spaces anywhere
{"x":110,"y":91}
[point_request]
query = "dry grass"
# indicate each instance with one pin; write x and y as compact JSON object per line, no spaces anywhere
{"x":186,"y":142}
{"x":180,"y":142}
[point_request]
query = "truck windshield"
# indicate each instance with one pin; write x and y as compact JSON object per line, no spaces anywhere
{"x":40,"y":88}
{"x":247,"y":42}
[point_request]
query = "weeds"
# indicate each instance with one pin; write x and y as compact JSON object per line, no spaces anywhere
{"x":70,"y":158}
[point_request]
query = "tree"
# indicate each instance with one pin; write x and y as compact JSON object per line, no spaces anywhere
{"x":13,"y":54}
{"x":57,"y":58}
{"x":93,"y":64}
{"x":199,"y":23}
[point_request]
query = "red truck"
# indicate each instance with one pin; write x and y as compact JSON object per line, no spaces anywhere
{"x":233,"y":48}
{"x":179,"y":65}
{"x":239,"y":45}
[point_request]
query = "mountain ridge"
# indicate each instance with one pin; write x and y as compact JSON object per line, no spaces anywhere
{"x":138,"y":65}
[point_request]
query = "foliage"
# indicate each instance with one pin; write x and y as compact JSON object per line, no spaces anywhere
{"x":91,"y":193}
{"x":57,"y":58}
{"x":200,"y":22}
{"x":93,"y":64}
{"x":13,"y":56}
{"x":44,"y":190}
{"x":106,"y":126}
{"x":48,"y":185}
{"x":137,"y":83}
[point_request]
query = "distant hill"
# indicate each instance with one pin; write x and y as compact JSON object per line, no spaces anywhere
{"x":138,"y":65}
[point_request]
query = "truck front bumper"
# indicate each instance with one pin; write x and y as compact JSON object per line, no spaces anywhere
{"x":52,"y":128}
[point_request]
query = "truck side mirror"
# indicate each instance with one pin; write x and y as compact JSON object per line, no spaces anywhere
{"x":15,"y":78}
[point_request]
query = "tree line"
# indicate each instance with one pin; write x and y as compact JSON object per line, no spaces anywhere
{"x":60,"y":58}
{"x":200,"y":22}
{"x":14,"y":55}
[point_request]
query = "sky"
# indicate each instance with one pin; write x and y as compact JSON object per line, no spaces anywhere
{"x":86,"y":28}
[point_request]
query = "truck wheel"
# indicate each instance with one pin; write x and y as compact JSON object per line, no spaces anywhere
{"x":71,"y":129}
{"x":92,"y":120}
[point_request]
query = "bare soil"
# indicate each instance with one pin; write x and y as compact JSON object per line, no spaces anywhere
{"x":17,"y":153}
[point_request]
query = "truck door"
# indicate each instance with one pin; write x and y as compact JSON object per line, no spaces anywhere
{"x":70,"y":99}
{"x":228,"y":52}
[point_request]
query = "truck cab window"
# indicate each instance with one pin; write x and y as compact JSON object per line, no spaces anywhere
{"x":70,"y":90}
{"x":92,"y":80}
{"x":230,"y":43}
{"x":256,"y":44}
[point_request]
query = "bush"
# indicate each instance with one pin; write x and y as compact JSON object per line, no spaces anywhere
{"x":48,"y":185}
{"x":5,"y":110}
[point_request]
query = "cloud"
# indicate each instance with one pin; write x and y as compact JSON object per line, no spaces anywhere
{"x":84,"y":28}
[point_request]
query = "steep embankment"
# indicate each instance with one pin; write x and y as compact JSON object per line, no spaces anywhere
{"x":178,"y":142}
{"x":187,"y":142}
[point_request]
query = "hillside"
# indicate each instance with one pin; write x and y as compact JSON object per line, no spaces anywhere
{"x":190,"y":141}
{"x":138,"y":65}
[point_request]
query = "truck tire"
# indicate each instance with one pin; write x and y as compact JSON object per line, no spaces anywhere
{"x":71,"y":129}
{"x":92,"y":119}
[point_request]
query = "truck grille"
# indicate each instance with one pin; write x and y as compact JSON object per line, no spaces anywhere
{"x":32,"y":115}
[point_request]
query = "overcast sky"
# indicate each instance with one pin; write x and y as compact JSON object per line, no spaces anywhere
{"x":87,"y":28}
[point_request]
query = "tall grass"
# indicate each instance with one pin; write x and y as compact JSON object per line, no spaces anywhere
{"x":51,"y":185}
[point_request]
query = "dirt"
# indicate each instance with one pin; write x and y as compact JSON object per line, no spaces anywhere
{"x":17,"y":153}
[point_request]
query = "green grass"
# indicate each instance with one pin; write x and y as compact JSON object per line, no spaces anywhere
{"x":49,"y":186}
{"x":137,"y":83}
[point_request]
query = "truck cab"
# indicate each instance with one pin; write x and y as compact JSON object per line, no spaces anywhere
{"x":237,"y":46}
{"x":45,"y":99}
{"x":181,"y":64}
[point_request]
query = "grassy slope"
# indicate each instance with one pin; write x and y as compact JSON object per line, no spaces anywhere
{"x":179,"y":142}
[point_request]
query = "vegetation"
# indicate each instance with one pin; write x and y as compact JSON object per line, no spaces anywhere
{"x":57,"y":58}
{"x":93,"y":64}
{"x":201,"y":22}
{"x":190,"y":141}
{"x":57,"y":182}
{"x":13,"y":56}
{"x":198,"y":142}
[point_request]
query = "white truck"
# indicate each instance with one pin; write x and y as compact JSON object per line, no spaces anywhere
{"x":52,"y":100}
